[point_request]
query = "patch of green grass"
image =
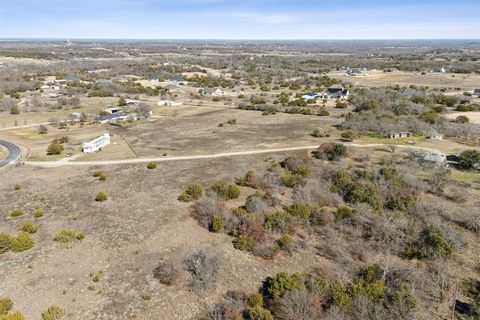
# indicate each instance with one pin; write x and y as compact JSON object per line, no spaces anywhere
{"x":465,"y":176}
{"x":376,"y":138}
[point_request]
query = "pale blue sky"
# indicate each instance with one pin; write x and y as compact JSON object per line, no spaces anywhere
{"x":240,"y":19}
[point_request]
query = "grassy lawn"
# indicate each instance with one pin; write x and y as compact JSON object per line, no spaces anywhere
{"x":29,"y":134}
{"x":466,"y":176}
{"x":54,"y":157}
{"x":374,"y":138}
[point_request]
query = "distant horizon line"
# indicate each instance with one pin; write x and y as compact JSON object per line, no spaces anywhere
{"x":232,"y":39}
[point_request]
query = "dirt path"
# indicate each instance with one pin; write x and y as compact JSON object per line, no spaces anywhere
{"x":205,"y":156}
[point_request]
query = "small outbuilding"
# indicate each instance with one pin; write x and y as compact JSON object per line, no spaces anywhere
{"x":310,"y":96}
{"x":436,"y":136}
{"x":169,"y":103}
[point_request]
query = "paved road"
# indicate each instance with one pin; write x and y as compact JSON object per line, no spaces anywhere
{"x":14,"y":152}
{"x":65,"y":162}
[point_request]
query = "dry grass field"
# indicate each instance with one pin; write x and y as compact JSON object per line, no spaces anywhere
{"x":357,"y":202}
{"x":450,"y":81}
{"x":126,"y":237}
{"x":195,"y":130}
{"x":474,"y":117}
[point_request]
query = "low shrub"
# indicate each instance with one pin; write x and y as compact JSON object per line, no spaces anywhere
{"x":191,"y":193}
{"x":260,"y":313}
{"x":227,"y":192}
{"x":204,"y":267}
{"x":287,"y":244}
{"x":432,"y":243}
{"x":18,"y":186}
{"x":167,"y":273}
{"x":38,"y":213}
{"x":152,"y":165}
{"x":67,"y":235}
{"x":283,"y":282}
{"x":6,"y":305}
{"x":54,"y":312}
{"x":217,"y":224}
{"x":17,"y":315}
{"x":244,"y":242}
{"x":16,"y":213}
{"x":101,"y":196}
{"x":300,"y":210}
{"x":22,"y":242}
{"x":343,"y":212}
{"x":54,"y":148}
{"x":28,"y":226}
{"x":255,"y":299}
{"x":97,"y":173}
{"x":4,"y":242}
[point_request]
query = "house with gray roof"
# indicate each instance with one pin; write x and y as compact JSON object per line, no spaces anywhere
{"x":335,"y":93}
{"x":213,"y":92}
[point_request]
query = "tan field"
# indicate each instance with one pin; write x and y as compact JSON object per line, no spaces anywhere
{"x":474,"y":117}
{"x":466,"y":82}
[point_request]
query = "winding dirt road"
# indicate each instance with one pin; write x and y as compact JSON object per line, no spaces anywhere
{"x":66,"y":162}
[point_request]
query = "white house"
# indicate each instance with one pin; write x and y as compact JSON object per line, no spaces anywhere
{"x":213,"y":92}
{"x":97,"y":144}
{"x":169,"y":103}
{"x":310,"y":96}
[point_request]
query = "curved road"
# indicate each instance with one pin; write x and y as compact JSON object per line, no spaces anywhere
{"x":65,"y":162}
{"x":14,"y":152}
